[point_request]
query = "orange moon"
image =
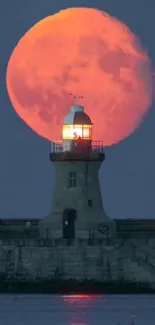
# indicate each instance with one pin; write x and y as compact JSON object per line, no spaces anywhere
{"x":86,"y":52}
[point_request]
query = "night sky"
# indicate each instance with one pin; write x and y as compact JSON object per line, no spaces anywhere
{"x":26,"y":175}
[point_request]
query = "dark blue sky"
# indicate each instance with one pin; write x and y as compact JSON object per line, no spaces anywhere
{"x":26,"y":175}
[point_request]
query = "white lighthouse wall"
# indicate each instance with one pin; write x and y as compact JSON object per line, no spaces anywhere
{"x":87,"y":188}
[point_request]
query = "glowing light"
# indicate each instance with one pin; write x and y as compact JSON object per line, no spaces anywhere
{"x":74,"y":131}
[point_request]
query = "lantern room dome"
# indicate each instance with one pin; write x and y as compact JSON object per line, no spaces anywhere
{"x":77,"y":116}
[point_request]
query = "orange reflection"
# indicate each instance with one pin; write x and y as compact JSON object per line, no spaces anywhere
{"x":79,"y":297}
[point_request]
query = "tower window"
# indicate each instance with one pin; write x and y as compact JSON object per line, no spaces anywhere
{"x":90,"y":202}
{"x":71,"y":179}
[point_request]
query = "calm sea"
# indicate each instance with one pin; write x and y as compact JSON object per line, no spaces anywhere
{"x":77,"y":310}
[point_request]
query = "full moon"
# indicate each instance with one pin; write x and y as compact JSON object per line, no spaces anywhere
{"x":88,"y":53}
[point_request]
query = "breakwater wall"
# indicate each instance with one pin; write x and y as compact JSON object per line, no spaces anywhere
{"x":79,"y":260}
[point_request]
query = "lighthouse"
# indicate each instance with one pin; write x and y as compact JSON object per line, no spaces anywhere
{"x":77,"y":210}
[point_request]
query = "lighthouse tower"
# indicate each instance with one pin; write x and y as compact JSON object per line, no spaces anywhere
{"x":77,"y":210}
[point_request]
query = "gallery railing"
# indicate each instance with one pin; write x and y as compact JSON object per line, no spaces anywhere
{"x":60,"y":146}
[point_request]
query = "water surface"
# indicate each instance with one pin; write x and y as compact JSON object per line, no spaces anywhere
{"x":77,"y":310}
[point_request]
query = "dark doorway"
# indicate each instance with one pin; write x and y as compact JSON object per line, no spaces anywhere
{"x":69,"y":217}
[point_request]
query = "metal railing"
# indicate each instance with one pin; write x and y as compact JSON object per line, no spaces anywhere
{"x":60,"y":146}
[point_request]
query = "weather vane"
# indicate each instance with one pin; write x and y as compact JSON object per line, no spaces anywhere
{"x":76,"y":97}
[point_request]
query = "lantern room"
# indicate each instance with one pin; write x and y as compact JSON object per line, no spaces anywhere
{"x":77,"y":126}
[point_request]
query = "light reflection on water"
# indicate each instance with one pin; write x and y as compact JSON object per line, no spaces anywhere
{"x":77,"y":310}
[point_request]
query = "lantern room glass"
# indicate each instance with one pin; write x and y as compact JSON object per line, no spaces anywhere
{"x":71,"y":132}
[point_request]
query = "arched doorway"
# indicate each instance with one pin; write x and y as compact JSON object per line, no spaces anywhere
{"x":69,"y":217}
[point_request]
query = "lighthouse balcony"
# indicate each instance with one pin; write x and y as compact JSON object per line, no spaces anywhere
{"x":69,"y":151}
{"x":62,"y":146}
